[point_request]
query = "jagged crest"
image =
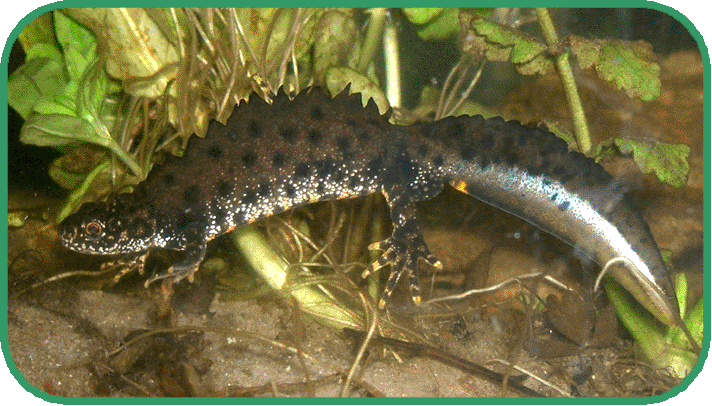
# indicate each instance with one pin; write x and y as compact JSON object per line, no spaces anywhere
{"x":352,"y":102}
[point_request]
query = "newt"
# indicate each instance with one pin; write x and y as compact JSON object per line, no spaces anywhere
{"x":266,"y":159}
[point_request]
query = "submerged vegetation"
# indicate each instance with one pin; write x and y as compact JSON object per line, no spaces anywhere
{"x":115,"y":89}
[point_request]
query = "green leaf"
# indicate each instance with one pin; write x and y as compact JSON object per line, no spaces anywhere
{"x":628,"y":65}
{"x":45,"y":51}
{"x":539,"y":65}
{"x":137,"y":50}
{"x":94,"y":87}
{"x":681,"y":293}
{"x":523,"y":48}
{"x":69,"y":32}
{"x":668,"y":161}
{"x":587,"y":51}
{"x":37,"y":35}
{"x":693,"y":319}
{"x":434,"y":23}
{"x":655,"y":343}
{"x":77,"y":62}
{"x":75,"y":197}
{"x":501,"y":43}
{"x":34,"y":80}
{"x":54,"y":92}
{"x":422,"y":15}
{"x":70,"y":170}
{"x":57,"y":130}
{"x":336,"y":41}
{"x":63,"y":132}
{"x":273,"y":269}
{"x":60,"y":104}
{"x":642,"y":326}
{"x":64,"y":178}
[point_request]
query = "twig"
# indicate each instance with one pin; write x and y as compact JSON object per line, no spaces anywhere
{"x":361,"y":351}
{"x":501,"y":285}
{"x":447,"y":359}
{"x":533,"y":375}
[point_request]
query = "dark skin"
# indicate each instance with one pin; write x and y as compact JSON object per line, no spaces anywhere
{"x":270,"y":158}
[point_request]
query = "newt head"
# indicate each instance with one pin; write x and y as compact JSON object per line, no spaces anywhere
{"x":113,"y":227}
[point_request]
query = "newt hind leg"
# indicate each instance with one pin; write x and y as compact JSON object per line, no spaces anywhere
{"x":403,"y":248}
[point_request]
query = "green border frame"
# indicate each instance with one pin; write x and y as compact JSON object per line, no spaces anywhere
{"x":694,"y":374}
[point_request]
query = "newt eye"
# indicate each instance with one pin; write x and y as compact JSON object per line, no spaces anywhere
{"x":93,"y":229}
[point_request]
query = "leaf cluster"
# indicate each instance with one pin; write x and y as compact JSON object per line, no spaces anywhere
{"x":101,"y":85}
{"x":627,"y":65}
{"x":666,"y":347}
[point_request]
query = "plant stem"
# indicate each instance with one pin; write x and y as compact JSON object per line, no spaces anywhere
{"x":73,"y":200}
{"x":273,"y":270}
{"x":583,"y":137}
{"x":374,"y":35}
{"x":391,"y":55}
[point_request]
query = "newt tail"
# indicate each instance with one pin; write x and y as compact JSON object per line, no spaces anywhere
{"x":530,"y":173}
{"x":269,"y":158}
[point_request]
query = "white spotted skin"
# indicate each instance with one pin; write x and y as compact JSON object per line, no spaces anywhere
{"x":266,"y":159}
{"x":575,"y":217}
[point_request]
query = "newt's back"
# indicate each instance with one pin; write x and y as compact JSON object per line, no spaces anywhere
{"x":269,"y":158}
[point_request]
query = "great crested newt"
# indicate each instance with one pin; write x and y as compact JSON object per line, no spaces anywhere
{"x":270,"y":158}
